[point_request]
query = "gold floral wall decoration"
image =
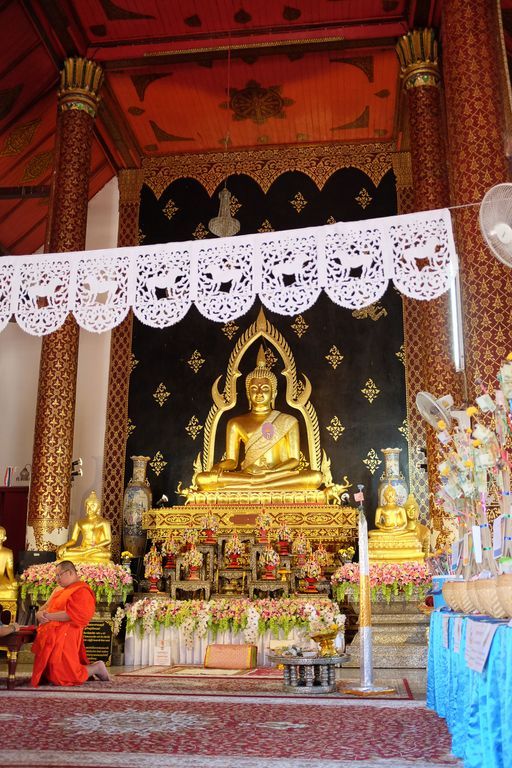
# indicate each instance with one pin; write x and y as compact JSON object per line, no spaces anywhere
{"x":270,"y":358}
{"x":331,"y":220}
{"x":193,"y":427}
{"x":161,"y":394}
{"x":300,"y":326}
{"x":234,"y":205}
{"x":363,"y":198}
{"x":140,"y":236}
{"x":200,"y":232}
{"x":266,"y":226}
{"x":404,"y":429}
{"x":170,"y":208}
{"x":37,"y":166}
{"x":370,"y":391}
{"x":134,"y":363}
{"x":19,"y":139}
{"x":372,"y":461}
{"x":373,"y":311}
{"x":157,"y":463}
{"x":335,"y":428}
{"x":230,"y":329}
{"x":298,"y":202}
{"x":401,"y":354}
{"x":334,"y":357}
{"x":130,"y":427}
{"x":195,"y":361}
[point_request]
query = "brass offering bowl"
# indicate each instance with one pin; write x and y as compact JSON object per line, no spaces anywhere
{"x":326,"y":641}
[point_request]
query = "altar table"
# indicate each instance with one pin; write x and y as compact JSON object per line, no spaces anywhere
{"x":141,"y":650}
{"x":477,"y":706}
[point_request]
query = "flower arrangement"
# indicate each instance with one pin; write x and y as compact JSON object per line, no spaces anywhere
{"x":193,"y":558}
{"x":172,"y":545}
{"x":209,"y":522}
{"x":191,"y":535}
{"x":234,"y":546}
{"x":321,"y":556}
{"x":301,"y":544}
{"x":263,"y":521}
{"x":388,"y":579}
{"x":269,"y":557}
{"x":126,"y":556}
{"x":253,"y":618}
{"x":284,"y":533}
{"x":346,"y":554}
{"x":311,"y":568}
{"x":106,"y":581}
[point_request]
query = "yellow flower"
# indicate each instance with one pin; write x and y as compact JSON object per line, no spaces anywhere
{"x":476,"y":443}
{"x":471,"y":411}
{"x":509,"y":356}
{"x":468,"y":463}
{"x":441,"y":424}
{"x":125,"y":555}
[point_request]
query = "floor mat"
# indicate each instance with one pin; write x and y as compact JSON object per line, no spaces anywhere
{"x":150,"y":731}
{"x":189,"y":670}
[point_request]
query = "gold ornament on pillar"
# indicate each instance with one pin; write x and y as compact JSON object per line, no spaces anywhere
{"x":417,"y":52}
{"x":80,"y":83}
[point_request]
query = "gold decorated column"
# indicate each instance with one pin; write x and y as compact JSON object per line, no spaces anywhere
{"x":48,"y":512}
{"x":476,"y":156}
{"x":417,"y":52}
{"x":116,"y":428}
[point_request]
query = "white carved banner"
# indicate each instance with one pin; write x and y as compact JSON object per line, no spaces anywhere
{"x":352,"y":262}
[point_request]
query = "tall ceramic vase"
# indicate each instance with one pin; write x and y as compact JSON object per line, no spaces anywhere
{"x":393,"y":476}
{"x":137,"y":500}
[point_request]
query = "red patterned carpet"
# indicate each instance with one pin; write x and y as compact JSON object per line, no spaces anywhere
{"x":81,"y":729}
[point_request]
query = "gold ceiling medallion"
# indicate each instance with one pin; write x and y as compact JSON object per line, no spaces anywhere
{"x":256,"y":103}
{"x":37,"y":166}
{"x":19,"y":139}
{"x":372,"y":461}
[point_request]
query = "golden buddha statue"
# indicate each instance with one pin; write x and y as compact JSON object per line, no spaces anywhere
{"x":392,"y":542}
{"x":422,"y":532}
{"x":95,"y":532}
{"x":270,"y":441}
{"x":8,"y":584}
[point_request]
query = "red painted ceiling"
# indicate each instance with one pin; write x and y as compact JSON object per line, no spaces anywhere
{"x":187,"y":76}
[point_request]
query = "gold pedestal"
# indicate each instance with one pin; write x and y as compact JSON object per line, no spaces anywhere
{"x":9,"y":604}
{"x":385,"y":548}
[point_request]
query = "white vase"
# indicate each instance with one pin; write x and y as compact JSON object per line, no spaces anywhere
{"x":392,"y":476}
{"x":137,"y":500}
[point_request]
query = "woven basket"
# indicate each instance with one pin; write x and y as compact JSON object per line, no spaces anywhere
{"x":504,"y":589}
{"x":487,"y":591}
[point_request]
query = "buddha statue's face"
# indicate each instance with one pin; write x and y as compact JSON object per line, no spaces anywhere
{"x":390,"y":494}
{"x":261,"y":394}
{"x":93,"y":506}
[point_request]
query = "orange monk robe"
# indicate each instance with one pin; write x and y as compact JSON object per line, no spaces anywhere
{"x":59,"y":647}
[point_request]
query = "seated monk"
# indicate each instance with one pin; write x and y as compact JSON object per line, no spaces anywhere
{"x":392,"y":542}
{"x":8,"y":584}
{"x":270,"y":441}
{"x":96,"y":537}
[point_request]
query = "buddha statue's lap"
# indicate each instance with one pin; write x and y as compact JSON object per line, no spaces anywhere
{"x":94,"y":534}
{"x":269,"y":442}
{"x":392,"y":541}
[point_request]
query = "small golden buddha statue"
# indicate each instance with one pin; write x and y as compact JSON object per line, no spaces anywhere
{"x":270,"y":441}
{"x":422,"y":532}
{"x":392,"y":542}
{"x":8,"y":584}
{"x":95,"y":533}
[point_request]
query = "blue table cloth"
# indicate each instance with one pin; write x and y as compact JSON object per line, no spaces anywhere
{"x":477,"y":706}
